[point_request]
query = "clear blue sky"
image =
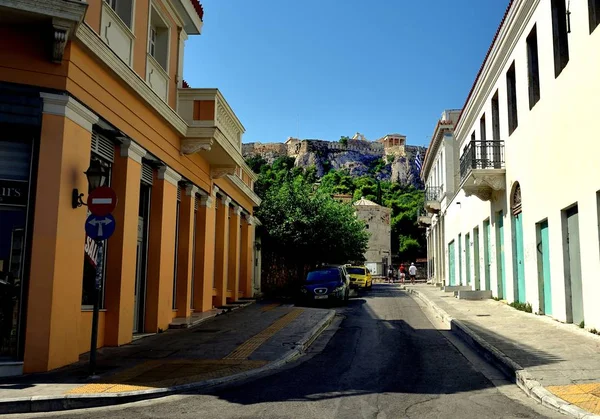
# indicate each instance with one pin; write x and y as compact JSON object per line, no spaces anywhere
{"x":327,"y":68}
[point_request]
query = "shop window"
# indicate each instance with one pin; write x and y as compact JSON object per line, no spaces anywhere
{"x":533,"y":68}
{"x":559,"y":36}
{"x":124,"y":9}
{"x":158,"y":39}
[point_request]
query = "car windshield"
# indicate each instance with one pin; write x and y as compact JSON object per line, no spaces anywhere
{"x":356,"y":271}
{"x":323,"y":275}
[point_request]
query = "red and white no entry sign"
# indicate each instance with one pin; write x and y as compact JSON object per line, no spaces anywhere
{"x":102,"y":201}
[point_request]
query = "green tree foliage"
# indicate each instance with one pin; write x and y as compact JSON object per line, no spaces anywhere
{"x":302,"y":225}
{"x":344,"y":140}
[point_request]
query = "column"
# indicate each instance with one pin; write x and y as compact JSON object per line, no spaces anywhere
{"x":121,"y":256}
{"x":246,"y":256}
{"x":161,"y":250}
{"x":204,"y":270}
{"x":233,"y":271}
{"x":222,"y":250}
{"x":54,"y":299}
{"x":185,"y":256}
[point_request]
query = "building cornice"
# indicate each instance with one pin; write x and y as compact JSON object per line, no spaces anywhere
{"x":511,"y":29}
{"x":245,"y":189}
{"x":438,"y":134}
{"x":133,"y":150}
{"x":169,"y":175}
{"x":65,"y":105}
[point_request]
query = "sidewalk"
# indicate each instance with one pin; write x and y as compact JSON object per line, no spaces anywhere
{"x":557,"y":364}
{"x":227,"y":348}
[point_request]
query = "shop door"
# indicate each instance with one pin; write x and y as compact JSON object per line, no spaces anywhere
{"x":543,"y":248}
{"x":451,"y":269}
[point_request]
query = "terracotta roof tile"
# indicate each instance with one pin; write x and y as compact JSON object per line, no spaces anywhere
{"x":199,"y":9}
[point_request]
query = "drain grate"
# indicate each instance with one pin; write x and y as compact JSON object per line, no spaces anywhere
{"x":483,"y":315}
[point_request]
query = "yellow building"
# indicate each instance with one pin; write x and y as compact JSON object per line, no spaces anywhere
{"x":102,"y":81}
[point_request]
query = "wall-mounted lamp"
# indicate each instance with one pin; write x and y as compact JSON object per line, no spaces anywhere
{"x":96,"y":175}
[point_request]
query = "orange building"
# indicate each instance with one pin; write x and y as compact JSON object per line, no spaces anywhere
{"x":102,"y":81}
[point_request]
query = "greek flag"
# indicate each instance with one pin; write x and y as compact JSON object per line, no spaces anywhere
{"x":418,"y":162}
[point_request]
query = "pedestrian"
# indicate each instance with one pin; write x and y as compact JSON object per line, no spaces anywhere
{"x":391,"y":274}
{"x":412,"y":271}
{"x":402,"y":271}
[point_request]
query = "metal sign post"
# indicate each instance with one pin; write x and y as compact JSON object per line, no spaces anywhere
{"x":97,"y":295}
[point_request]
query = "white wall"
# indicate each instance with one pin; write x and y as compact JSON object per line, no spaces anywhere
{"x":553,"y":154}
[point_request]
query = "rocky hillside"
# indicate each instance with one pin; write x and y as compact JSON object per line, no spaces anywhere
{"x":358,"y":157}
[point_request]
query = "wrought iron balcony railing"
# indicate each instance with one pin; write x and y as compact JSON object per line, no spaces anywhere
{"x":481,"y":155}
{"x":433,"y":193}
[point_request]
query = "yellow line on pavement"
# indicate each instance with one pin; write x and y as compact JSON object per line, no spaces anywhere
{"x":269,"y":307}
{"x":245,"y":349}
{"x":586,"y":396}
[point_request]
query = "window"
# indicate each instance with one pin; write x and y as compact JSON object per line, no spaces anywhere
{"x":482,"y":133}
{"x":559,"y":35}
{"x":158,"y":39}
{"x":533,"y":68}
{"x":511,"y":99}
{"x":153,"y":42}
{"x":594,"y":13}
{"x":124,"y":9}
{"x":473,"y":136}
{"x":495,"y":118}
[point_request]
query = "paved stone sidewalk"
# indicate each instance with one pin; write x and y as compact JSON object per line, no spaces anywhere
{"x":561,"y":357}
{"x":232,"y":344}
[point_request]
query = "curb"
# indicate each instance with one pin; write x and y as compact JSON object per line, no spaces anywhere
{"x":510,"y":368}
{"x":81,"y":401}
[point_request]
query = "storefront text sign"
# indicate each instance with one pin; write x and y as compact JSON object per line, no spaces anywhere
{"x":13,"y":192}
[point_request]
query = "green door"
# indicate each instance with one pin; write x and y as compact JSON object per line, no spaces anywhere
{"x":487,"y":252}
{"x":500,"y":254}
{"x":544,"y":257}
{"x":460,"y":281}
{"x":451,"y":271}
{"x":518,"y":262}
{"x":468,"y":258}
{"x":477,"y":266}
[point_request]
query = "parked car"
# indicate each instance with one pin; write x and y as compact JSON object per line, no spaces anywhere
{"x":360,"y":277}
{"x":327,"y":283}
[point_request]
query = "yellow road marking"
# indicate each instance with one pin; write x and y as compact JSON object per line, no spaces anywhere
{"x":269,"y":307}
{"x":586,"y":396}
{"x":245,"y":349}
{"x":168,"y":373}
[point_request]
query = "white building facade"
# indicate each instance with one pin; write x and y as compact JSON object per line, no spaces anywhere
{"x":441,"y":182}
{"x":378,"y":224}
{"x":524,"y":222}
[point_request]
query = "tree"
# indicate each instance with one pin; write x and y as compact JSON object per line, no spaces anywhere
{"x":344,"y":140}
{"x":301,"y":228}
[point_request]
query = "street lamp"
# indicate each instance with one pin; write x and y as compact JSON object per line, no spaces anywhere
{"x":96,"y":175}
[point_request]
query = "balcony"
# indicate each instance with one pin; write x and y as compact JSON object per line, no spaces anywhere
{"x":433,"y":198}
{"x":214,"y":130}
{"x":423,"y":219}
{"x":482,"y":169}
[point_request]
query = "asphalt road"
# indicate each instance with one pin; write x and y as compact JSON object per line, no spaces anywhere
{"x":382,"y":358}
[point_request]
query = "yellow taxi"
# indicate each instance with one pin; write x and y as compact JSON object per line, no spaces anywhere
{"x":360,"y":277}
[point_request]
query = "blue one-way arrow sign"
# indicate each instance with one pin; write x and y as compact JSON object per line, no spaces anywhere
{"x":100,"y":227}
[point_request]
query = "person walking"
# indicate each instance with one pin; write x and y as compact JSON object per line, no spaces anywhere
{"x":412,"y":271}
{"x":390,"y":274}
{"x":402,"y":271}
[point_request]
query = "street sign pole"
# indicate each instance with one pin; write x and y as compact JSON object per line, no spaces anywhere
{"x":97,"y":295}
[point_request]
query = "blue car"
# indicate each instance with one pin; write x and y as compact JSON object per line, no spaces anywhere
{"x":327,"y":283}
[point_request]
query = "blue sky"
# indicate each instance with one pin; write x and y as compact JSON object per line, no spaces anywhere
{"x":327,"y":68}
